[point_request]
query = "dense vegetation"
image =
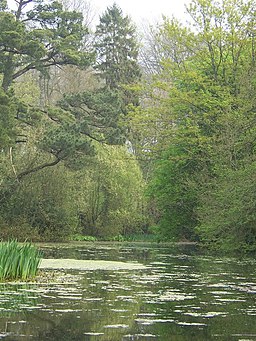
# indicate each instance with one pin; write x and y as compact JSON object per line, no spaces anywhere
{"x":104,"y":137}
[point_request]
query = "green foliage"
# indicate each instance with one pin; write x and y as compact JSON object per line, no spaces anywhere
{"x":102,"y":197}
{"x":96,"y":114}
{"x":110,"y":194}
{"x":80,"y":238}
{"x":118,"y":238}
{"x":37,"y":39}
{"x":7,"y":124}
{"x":18,"y":261}
{"x":174,"y":195}
{"x":231,"y":201}
{"x":43,"y":148}
{"x":27,"y":89}
{"x":42,"y":202}
{"x":229,"y":195}
{"x":20,"y":230}
{"x":141,"y":237}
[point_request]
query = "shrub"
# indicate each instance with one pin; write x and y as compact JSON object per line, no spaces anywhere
{"x":18,"y":261}
{"x":118,"y":238}
{"x":80,"y":237}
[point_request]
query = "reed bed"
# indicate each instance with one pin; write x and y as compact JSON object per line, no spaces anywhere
{"x":18,"y":261}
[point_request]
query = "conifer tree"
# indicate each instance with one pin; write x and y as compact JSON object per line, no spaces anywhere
{"x":117,"y":52}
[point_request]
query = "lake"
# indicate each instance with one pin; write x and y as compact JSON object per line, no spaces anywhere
{"x":180,"y":294}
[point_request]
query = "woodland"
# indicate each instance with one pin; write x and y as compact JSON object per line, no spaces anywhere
{"x":115,"y":132}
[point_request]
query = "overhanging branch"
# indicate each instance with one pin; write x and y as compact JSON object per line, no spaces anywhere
{"x":38,"y":168}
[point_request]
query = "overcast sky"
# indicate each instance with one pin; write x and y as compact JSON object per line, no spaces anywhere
{"x":145,"y":10}
{"x":140,"y":11}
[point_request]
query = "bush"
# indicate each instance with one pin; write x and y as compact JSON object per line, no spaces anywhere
{"x":118,"y":238}
{"x":80,"y":238}
{"x":18,"y":261}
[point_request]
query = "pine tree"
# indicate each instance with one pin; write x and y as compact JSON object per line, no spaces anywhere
{"x":46,"y":35}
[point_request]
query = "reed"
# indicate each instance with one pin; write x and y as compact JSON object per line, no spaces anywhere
{"x":18,"y":261}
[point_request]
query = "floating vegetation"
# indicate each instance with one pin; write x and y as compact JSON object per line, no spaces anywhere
{"x":152,"y":321}
{"x":76,"y":264}
{"x":18,"y":261}
{"x":206,"y":315}
{"x":117,"y":326}
{"x":191,"y":324}
{"x":139,"y":336}
{"x":175,"y":296}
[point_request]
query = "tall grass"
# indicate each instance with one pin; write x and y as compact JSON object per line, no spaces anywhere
{"x":18,"y":261}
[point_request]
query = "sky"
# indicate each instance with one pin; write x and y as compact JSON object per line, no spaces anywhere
{"x":148,"y":11}
{"x":140,"y":11}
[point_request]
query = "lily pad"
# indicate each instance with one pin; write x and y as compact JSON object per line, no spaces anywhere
{"x":76,"y":264}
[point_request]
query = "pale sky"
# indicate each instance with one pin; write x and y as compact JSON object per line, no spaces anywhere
{"x":140,"y":11}
{"x":145,"y":10}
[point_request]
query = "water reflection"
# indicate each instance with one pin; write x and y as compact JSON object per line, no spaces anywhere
{"x":181,"y":295}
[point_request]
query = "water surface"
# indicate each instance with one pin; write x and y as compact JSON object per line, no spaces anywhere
{"x":178,"y":295}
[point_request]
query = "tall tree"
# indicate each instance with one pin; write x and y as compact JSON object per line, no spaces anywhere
{"x":117,"y":51}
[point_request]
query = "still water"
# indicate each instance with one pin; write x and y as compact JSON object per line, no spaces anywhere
{"x":180,"y":295}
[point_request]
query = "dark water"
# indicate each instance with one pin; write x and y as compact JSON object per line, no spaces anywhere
{"x":181,"y":295}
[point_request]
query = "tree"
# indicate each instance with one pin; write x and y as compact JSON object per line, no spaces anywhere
{"x":226,"y":30}
{"x":109,"y":194}
{"x":168,"y":40}
{"x":38,"y":38}
{"x":203,"y":100}
{"x":70,"y":78}
{"x":117,"y":52}
{"x":173,"y":192}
